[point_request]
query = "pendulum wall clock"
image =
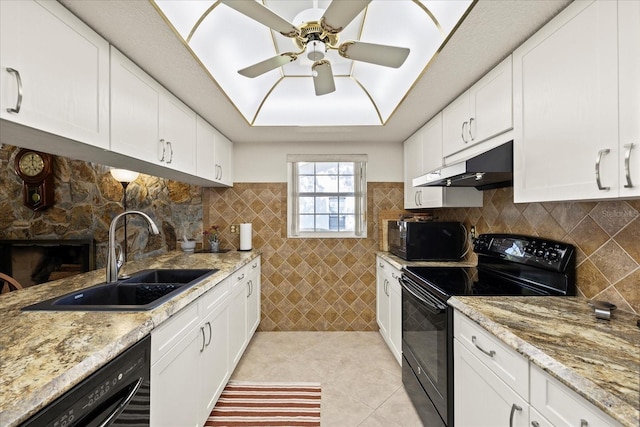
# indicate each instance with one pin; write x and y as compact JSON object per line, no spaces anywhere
{"x":36,"y":170}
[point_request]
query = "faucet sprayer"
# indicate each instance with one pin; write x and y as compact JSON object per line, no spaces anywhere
{"x":113,"y":266}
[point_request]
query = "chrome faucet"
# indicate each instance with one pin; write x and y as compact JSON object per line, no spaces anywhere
{"x":113,"y":263}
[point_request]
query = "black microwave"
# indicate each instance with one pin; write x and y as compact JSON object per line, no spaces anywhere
{"x":427,"y":240}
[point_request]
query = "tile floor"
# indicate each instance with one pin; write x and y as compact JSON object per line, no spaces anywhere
{"x":361,"y":380}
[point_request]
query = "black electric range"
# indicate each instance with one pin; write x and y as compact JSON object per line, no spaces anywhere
{"x":507,"y":265}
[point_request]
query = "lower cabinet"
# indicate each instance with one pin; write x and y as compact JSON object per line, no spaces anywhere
{"x":389,"y":306}
{"x":194,"y":354}
{"x":496,"y":386}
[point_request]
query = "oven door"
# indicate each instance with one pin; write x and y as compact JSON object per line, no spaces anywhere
{"x":425,"y":346}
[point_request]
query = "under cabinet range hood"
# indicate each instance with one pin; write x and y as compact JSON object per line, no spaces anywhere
{"x":491,"y":169}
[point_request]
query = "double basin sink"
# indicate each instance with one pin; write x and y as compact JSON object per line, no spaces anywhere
{"x":144,"y":290}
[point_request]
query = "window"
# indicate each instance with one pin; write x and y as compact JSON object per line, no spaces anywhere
{"x":327,"y":196}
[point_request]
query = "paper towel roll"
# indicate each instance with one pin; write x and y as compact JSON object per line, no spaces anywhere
{"x":245,"y":236}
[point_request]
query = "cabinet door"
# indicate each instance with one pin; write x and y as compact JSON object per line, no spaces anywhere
{"x":491,"y":104}
{"x":481,"y":398}
{"x":214,"y":358}
{"x":63,"y":67}
{"x":412,"y":169}
{"x":566,"y":106}
{"x":135,"y":103}
{"x":224,"y":160}
{"x":395,"y":315}
{"x":253,"y":298}
{"x":629,"y":75}
{"x":455,"y":125}
{"x":205,"y":143}
{"x":178,"y":134}
{"x":175,"y":384}
{"x":237,"y":319}
{"x":382,"y":298}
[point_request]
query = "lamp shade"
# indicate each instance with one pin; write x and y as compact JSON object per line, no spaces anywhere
{"x":124,"y":175}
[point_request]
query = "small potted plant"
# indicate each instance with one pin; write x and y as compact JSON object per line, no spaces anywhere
{"x":211,"y":234}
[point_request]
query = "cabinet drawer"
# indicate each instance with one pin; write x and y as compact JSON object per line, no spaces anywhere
{"x":505,"y":362}
{"x":214,"y":296}
{"x":561,"y":405}
{"x":172,"y":331}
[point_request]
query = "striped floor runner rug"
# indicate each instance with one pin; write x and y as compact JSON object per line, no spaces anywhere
{"x":267,"y":404}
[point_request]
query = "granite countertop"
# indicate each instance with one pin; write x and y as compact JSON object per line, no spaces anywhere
{"x":598,"y":359}
{"x":44,"y":353}
{"x":398,"y":262}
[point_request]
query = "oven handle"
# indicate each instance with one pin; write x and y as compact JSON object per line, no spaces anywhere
{"x":408,"y":285}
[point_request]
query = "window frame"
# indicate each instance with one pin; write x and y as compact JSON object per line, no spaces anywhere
{"x":360,"y":195}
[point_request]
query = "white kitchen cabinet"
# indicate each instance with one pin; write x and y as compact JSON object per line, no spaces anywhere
{"x":54,"y":72}
{"x":481,"y":398}
{"x":190,"y":363}
{"x":147,"y":122}
{"x":389,"y":306}
{"x":214,"y":154}
{"x":482,"y":112}
{"x":244,"y":309}
{"x":562,"y":406}
{"x":423,"y":154}
{"x":576,"y":105}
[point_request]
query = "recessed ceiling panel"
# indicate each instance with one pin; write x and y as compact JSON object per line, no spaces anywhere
{"x":225,"y":41}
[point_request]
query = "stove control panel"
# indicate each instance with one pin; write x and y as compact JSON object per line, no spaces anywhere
{"x":530,"y":250}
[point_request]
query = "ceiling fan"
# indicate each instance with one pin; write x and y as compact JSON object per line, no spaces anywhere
{"x":318,"y":37}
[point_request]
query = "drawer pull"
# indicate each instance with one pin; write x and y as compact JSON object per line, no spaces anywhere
{"x":598,"y":159}
{"x":204,"y":339}
{"x":488,"y":353}
{"x":583,"y":422}
{"x":514,"y":408}
{"x":627,"y":172}
{"x":16,"y":109}
{"x":535,"y":424}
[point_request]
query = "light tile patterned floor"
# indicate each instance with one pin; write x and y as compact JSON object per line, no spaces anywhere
{"x":361,"y":380}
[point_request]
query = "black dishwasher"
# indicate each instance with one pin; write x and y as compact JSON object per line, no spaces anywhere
{"x":115,"y":395}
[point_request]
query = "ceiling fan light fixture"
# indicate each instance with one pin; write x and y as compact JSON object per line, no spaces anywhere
{"x":316,"y":50}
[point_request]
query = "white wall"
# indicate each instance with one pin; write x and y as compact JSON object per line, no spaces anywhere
{"x":262,"y":162}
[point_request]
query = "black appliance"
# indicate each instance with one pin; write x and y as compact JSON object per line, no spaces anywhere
{"x":507,"y":265}
{"x":491,"y":169}
{"x":118,"y":394}
{"x":427,"y":240}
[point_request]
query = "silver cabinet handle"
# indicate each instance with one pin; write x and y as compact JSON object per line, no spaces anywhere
{"x":535,"y":424}
{"x":19,"y":101}
{"x":601,"y":153}
{"x":627,"y":172}
{"x":470,"y":134}
{"x":420,"y":198}
{"x":203,"y":339}
{"x":210,"y":333}
{"x":381,"y":265}
{"x":462,"y":132}
{"x":583,"y":422}
{"x":514,"y":408}
{"x":241,"y":277}
{"x":249,"y":288}
{"x":415,"y":198}
{"x":386,"y":287}
{"x":170,"y":151}
{"x":488,"y":353}
{"x":220,"y":167}
{"x":163,"y":145}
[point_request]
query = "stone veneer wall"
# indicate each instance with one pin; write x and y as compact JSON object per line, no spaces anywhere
{"x":329,"y":284}
{"x":87,"y":197}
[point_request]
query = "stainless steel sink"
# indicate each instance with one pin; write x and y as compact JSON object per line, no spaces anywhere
{"x":144,"y":290}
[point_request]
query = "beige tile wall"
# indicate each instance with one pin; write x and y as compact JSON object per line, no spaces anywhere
{"x":329,"y":284}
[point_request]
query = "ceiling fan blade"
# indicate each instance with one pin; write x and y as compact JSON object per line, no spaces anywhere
{"x":262,"y":67}
{"x":380,"y":54}
{"x":340,"y":13}
{"x":323,"y":77}
{"x":263,"y":15}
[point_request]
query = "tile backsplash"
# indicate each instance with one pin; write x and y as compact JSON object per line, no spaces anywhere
{"x":329,"y":284}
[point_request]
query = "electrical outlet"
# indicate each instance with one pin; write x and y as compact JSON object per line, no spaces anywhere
{"x":234,"y":228}
{"x":473,"y":232}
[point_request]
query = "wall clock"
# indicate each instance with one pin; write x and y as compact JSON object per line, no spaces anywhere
{"x":36,"y":170}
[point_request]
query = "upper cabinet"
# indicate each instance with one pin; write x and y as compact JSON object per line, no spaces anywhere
{"x":423,"y":154}
{"x":482,"y":112}
{"x":214,"y":154}
{"x":54,"y":72}
{"x":577,"y":108}
{"x":147,"y":122}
